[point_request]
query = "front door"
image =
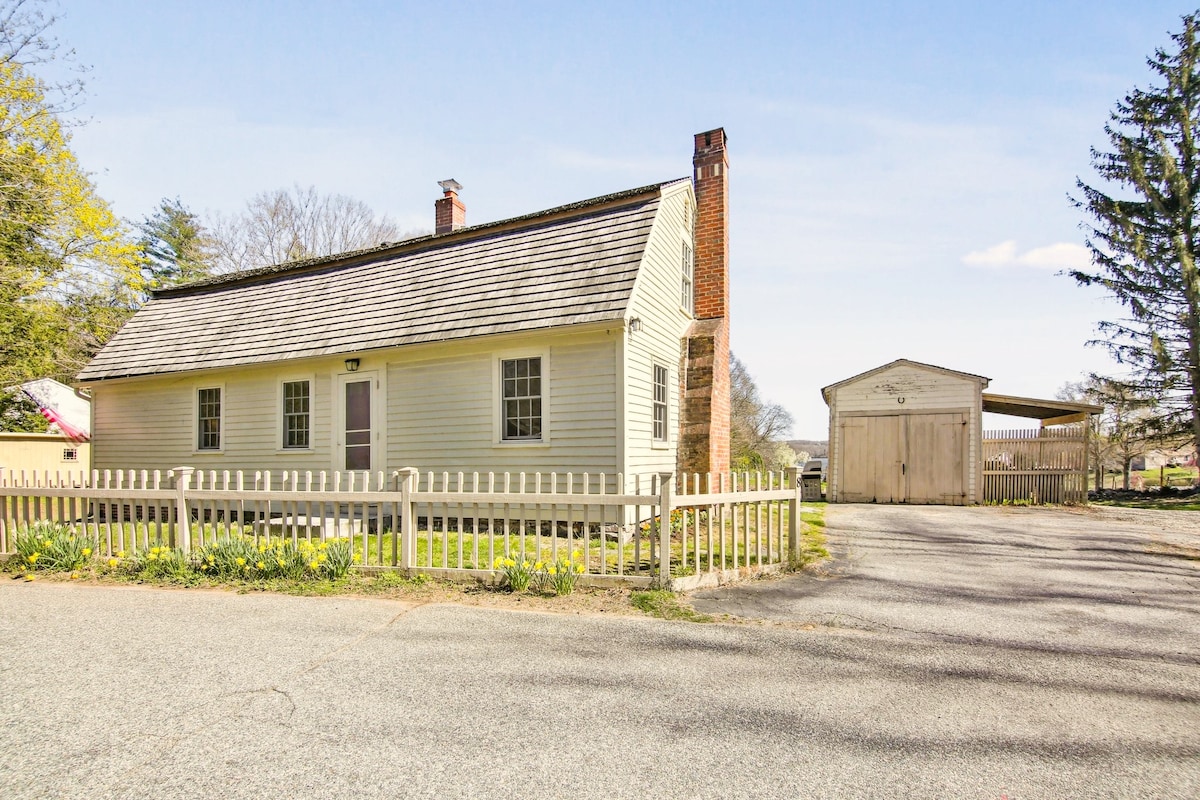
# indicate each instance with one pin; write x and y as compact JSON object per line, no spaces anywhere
{"x":356,"y":427}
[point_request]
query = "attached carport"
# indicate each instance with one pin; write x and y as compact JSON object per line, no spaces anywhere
{"x":909,"y":432}
{"x":1046,"y":465}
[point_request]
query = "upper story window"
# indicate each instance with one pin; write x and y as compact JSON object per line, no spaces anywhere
{"x":687,"y":297}
{"x":297,"y":404}
{"x":521,"y":390}
{"x":208,"y":416}
{"x":660,"y":403}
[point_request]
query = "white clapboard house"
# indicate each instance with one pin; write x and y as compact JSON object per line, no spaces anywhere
{"x":592,"y":337}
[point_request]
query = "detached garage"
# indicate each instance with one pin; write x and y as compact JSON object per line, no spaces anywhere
{"x":906,"y":432}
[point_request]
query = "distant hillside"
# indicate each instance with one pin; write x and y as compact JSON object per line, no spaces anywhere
{"x":815,"y":449}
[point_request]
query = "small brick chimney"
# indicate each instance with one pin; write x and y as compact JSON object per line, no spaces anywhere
{"x":449,"y":214}
{"x":704,"y":376}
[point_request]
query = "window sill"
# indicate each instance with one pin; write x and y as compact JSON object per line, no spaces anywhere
{"x":521,"y":443}
{"x":660,"y":445}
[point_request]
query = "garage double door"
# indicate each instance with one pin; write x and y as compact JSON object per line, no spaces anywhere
{"x":904,"y":458}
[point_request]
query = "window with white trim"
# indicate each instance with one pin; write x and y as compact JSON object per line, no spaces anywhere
{"x":208,"y":419}
{"x":297,"y":404}
{"x":660,"y":403}
{"x":521,"y":399}
{"x":687,"y":295}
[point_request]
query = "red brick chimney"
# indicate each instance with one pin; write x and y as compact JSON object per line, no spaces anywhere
{"x":449,"y":214}
{"x":704,"y":420}
{"x":711,"y":181}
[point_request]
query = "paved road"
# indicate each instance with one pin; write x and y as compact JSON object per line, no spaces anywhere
{"x":124,"y":692}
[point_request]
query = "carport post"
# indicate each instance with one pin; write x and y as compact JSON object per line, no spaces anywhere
{"x":794,"y":516}
{"x":408,"y":524}
{"x":183,"y":516}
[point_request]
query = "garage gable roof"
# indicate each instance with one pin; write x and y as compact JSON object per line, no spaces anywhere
{"x":827,"y":392}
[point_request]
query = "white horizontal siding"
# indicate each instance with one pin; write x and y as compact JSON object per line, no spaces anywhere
{"x":656,"y":302}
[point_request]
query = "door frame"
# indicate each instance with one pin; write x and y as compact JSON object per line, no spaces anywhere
{"x":378,"y":443}
{"x":968,"y":467}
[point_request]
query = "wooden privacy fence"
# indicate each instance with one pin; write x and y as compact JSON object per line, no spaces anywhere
{"x":644,"y":530}
{"x":1047,"y":465}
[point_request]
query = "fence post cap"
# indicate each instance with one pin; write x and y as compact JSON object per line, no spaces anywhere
{"x":183,"y":470}
{"x":408,"y":471}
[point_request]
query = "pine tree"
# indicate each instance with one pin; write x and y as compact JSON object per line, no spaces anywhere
{"x":175,"y":245}
{"x":1144,"y":235}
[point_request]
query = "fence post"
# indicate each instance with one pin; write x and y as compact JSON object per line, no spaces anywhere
{"x":408,"y":524}
{"x":183,"y":516}
{"x":794,"y":516}
{"x":665,"y":480}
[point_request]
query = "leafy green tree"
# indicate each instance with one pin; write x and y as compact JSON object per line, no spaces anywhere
{"x":1144,"y":237}
{"x":62,"y":251}
{"x":19,"y":413}
{"x":175,"y":245}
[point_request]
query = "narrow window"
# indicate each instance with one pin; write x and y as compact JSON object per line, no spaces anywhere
{"x":687,"y":298}
{"x":209,"y":416}
{"x":522,"y":398}
{"x":296,"y":403}
{"x":660,"y":403}
{"x":70,"y":454}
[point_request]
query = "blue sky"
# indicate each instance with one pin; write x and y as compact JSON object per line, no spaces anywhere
{"x":899,"y":171}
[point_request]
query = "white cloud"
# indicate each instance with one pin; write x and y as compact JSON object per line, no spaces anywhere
{"x":1057,"y":256}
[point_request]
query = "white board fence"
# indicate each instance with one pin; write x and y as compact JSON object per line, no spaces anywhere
{"x":447,"y":524}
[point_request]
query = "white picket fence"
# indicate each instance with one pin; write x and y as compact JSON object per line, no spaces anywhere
{"x":450,"y":524}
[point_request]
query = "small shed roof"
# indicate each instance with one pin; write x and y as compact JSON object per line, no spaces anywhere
{"x":568,"y":265}
{"x":1050,"y":412}
{"x":827,"y":392}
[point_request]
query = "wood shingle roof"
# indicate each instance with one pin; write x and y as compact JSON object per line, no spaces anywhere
{"x":571,"y":265}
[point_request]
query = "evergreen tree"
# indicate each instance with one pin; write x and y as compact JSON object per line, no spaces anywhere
{"x":1145,"y":234}
{"x":175,"y":245}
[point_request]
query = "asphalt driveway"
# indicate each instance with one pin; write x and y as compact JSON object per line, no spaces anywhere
{"x":1101,"y":581}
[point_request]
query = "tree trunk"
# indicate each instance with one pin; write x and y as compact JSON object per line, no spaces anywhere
{"x":1125,"y":464}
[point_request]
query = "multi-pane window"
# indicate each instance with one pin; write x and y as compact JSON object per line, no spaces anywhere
{"x":660,"y":403}
{"x":70,"y":454}
{"x":296,"y":404}
{"x":208,"y":414}
{"x":521,"y":380}
{"x":687,"y":298}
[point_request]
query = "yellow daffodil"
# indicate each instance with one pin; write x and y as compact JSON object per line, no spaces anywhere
{"x":33,"y":557}
{"x":312,"y":565}
{"x":552,"y":571}
{"x":120,"y":554}
{"x":112,"y":562}
{"x":579,"y":569}
{"x":261,"y":565}
{"x":241,"y":562}
{"x":87,"y":551}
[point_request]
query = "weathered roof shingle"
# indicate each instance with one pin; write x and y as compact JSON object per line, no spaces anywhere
{"x":566,"y":266}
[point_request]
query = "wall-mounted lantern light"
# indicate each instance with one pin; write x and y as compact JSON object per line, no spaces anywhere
{"x":635,"y":325}
{"x":351,"y":365}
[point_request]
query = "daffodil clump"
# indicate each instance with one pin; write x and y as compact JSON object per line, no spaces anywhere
{"x":159,"y":562}
{"x":559,"y":575}
{"x":563,"y":574}
{"x":51,"y":547}
{"x":517,"y":572}
{"x":246,"y":559}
